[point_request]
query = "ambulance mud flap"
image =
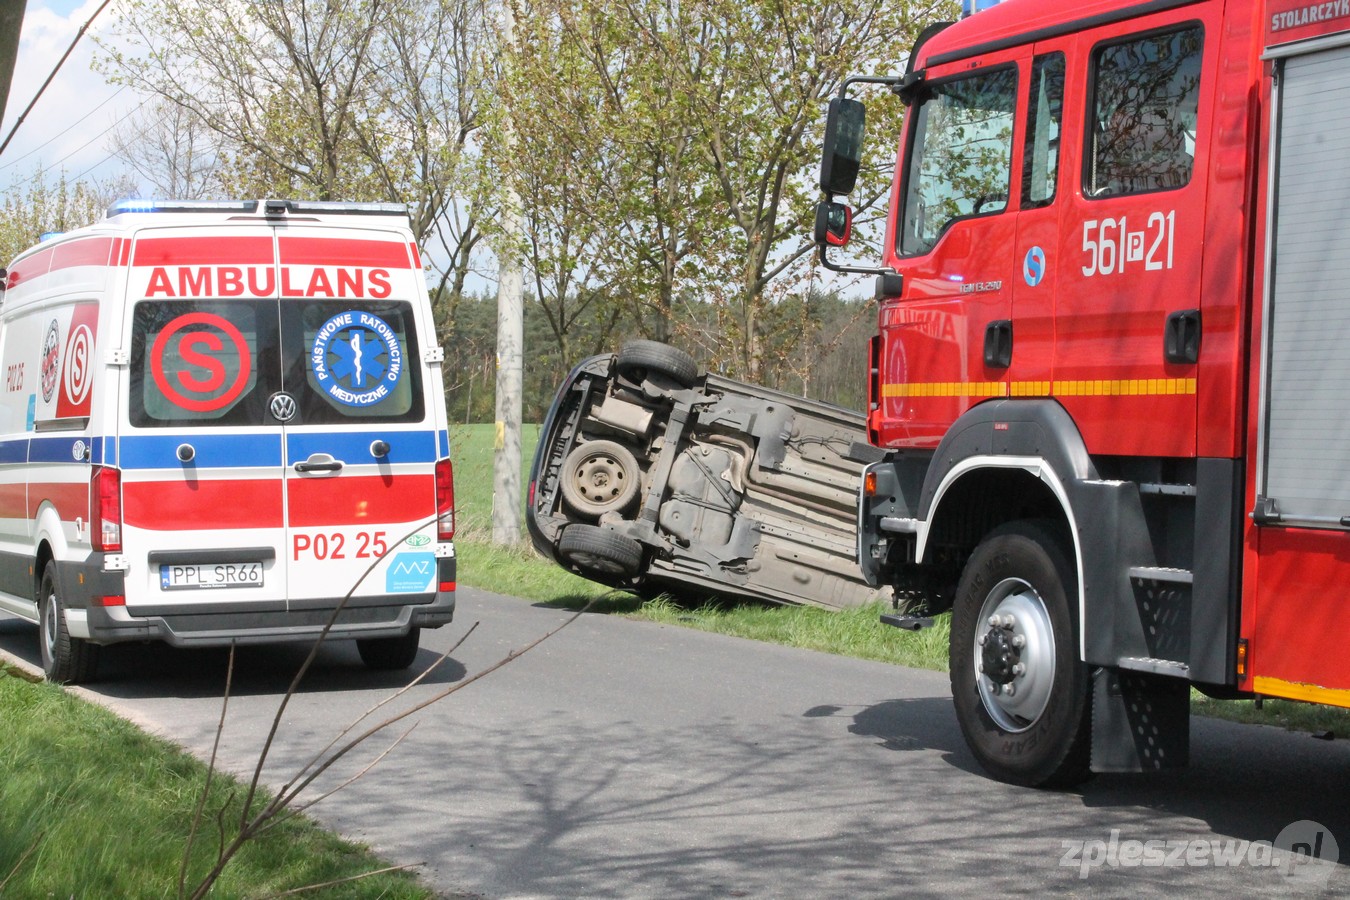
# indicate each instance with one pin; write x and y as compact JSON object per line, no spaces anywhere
{"x":1140,"y":722}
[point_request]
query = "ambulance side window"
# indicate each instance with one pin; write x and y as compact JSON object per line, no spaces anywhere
{"x":1146,"y":95}
{"x":960,"y":155}
{"x":352,"y":359}
{"x":199,"y":362}
{"x":1045,"y":109}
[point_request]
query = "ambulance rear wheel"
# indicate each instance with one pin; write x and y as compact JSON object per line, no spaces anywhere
{"x":388,"y":654}
{"x":1019,"y":687}
{"x":65,"y":659}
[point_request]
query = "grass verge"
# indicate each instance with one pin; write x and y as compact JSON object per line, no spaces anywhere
{"x":91,"y":806}
{"x":853,"y":632}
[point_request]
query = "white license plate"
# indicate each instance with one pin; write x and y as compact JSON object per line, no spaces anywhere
{"x":213,"y":575}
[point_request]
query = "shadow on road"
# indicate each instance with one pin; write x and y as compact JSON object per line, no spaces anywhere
{"x":1244,"y":781}
{"x":154,"y":669}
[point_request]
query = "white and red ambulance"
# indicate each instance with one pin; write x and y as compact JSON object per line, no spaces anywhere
{"x":224,"y":422}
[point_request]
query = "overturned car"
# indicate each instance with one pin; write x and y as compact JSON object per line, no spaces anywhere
{"x":649,"y":473}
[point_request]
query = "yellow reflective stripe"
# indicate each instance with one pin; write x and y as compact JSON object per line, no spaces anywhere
{"x":1129,"y":387}
{"x":1274,"y":687}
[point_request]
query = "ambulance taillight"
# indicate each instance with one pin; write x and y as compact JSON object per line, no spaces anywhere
{"x":106,"y":492}
{"x":445,"y":500}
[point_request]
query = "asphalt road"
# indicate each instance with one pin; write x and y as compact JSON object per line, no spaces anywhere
{"x":627,"y":759}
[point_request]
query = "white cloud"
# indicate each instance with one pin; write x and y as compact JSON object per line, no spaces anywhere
{"x":67,"y":129}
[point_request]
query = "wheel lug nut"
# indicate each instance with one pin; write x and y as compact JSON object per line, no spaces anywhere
{"x":1019,"y":669}
{"x":995,"y":621}
{"x":1011,"y":689}
{"x":979,"y":667}
{"x":1019,"y":641}
{"x":984,"y":639}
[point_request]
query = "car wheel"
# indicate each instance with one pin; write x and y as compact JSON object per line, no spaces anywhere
{"x":639,"y":359}
{"x":65,"y":659}
{"x":387,"y":654}
{"x":600,"y":551}
{"x":1018,"y":684}
{"x":600,"y":477}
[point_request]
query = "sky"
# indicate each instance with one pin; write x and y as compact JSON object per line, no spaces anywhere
{"x":69,"y":127}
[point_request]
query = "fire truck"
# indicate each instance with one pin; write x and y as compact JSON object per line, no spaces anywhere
{"x":1111,"y":372}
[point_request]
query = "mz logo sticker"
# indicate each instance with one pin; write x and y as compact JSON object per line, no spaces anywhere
{"x":410,"y":573}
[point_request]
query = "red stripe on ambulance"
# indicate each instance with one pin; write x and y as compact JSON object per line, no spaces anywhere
{"x":296,"y":251}
{"x":203,"y":251}
{"x":203,"y":505}
{"x":361,"y":499}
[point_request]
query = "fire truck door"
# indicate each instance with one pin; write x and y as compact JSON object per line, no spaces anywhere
{"x":1128,"y":274}
{"x":1302,"y":509}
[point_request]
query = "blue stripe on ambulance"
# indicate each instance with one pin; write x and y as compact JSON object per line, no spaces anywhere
{"x":213,"y":451}
{"x":353,"y":448}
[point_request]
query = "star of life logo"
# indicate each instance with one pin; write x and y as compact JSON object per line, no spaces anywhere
{"x":356,"y":359}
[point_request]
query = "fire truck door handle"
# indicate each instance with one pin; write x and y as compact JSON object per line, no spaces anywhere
{"x":998,"y":340}
{"x":319,"y":462}
{"x":1181,"y":341}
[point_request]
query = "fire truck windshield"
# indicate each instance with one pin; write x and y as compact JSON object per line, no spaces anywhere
{"x":960,"y":158}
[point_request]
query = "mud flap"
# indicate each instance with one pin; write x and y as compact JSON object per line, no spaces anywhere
{"x":1140,"y":723}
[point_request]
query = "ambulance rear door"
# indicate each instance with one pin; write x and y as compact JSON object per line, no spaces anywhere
{"x":361,"y":434}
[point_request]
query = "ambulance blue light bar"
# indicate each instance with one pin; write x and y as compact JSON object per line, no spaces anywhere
{"x":971,"y":7}
{"x":181,"y":206}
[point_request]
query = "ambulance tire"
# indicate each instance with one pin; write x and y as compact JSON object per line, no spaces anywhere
{"x":390,"y":654}
{"x":1020,"y":689}
{"x":600,"y":552}
{"x":65,"y":659}
{"x":638,"y":359}
{"x":600,"y":477}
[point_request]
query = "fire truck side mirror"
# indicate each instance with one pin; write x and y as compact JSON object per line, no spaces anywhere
{"x":843,"y":145}
{"x":834,"y":224}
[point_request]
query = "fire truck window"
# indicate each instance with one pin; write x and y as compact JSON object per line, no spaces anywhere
{"x":960,"y":161}
{"x":1146,"y":97}
{"x":1040,"y":157}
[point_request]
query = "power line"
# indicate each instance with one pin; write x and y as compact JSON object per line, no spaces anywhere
{"x":66,"y":130}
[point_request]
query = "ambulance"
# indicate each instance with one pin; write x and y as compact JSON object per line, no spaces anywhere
{"x":223,"y":422}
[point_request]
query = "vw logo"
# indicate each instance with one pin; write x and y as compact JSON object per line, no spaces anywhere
{"x":282,"y":406}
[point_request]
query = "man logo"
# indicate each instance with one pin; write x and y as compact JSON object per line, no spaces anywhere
{"x":282,"y":406}
{"x":410,"y":573}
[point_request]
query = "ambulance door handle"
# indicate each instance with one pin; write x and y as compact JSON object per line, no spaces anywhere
{"x":319,"y":462}
{"x":998,"y":344}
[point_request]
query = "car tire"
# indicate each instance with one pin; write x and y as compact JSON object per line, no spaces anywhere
{"x":600,"y":477}
{"x":65,"y":659}
{"x":600,"y":551}
{"x":639,"y":359}
{"x":391,"y":653}
{"x":1020,"y":689}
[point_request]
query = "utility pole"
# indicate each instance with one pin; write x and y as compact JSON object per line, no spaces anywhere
{"x":507,"y":499}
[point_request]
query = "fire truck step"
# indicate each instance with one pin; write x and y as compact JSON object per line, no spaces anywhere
{"x":1157,"y":573}
{"x":909,"y":623}
{"x":1154,"y":666}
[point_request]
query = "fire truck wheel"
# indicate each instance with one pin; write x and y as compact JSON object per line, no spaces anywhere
{"x":388,"y":654}
{"x":1020,"y":689}
{"x":638,"y":359}
{"x":65,"y":659}
{"x":600,"y":477}
{"x":600,"y":551}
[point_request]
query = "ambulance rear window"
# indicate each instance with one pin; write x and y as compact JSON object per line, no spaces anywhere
{"x":202,"y":362}
{"x":352,"y":359}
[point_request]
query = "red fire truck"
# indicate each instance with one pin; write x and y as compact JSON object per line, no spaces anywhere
{"x":1112,"y":366}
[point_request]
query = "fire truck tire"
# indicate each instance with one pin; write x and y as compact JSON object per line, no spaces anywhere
{"x":600,"y":477}
{"x":1020,"y":690}
{"x":638,"y":359}
{"x":389,"y":654}
{"x":600,"y":551}
{"x":65,"y":659}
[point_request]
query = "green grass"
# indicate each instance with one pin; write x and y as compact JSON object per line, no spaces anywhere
{"x":91,"y":806}
{"x":854,"y":632}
